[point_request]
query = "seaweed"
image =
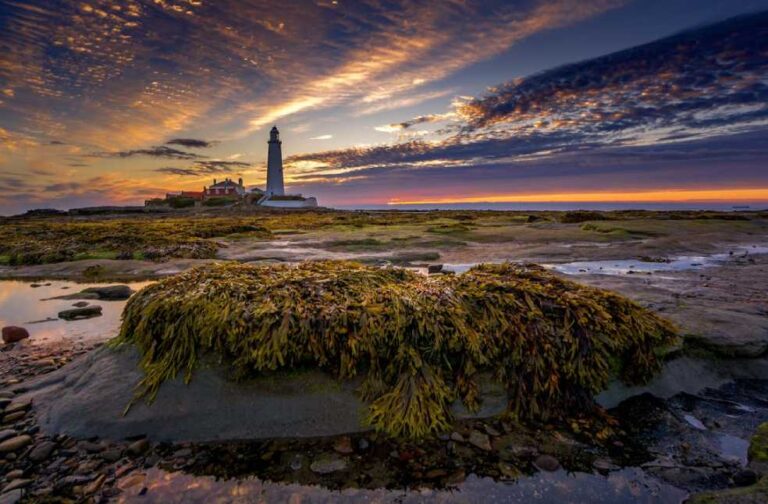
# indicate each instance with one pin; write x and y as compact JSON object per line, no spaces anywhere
{"x":418,"y":342}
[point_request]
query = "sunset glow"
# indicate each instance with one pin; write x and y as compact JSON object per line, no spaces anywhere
{"x":509,"y":101}
{"x":753,"y":195}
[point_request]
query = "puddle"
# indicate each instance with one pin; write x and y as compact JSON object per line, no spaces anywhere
{"x":680,"y":263}
{"x":23,"y":305}
{"x":624,"y":486}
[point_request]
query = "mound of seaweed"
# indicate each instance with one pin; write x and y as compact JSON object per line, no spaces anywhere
{"x":418,"y":342}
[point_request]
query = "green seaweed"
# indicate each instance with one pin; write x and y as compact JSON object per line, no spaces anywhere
{"x":418,"y":342}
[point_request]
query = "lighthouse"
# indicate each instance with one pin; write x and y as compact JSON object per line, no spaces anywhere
{"x":275,"y":165}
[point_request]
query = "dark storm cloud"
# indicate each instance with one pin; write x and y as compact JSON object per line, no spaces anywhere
{"x":199,"y":168}
{"x":192,"y":143}
{"x":158,"y":152}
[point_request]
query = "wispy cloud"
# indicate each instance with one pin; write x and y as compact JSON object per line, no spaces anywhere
{"x":322,"y":137}
{"x":192,"y":143}
{"x":157,"y":152}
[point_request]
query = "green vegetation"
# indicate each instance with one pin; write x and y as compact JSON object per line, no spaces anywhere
{"x":218,"y":202}
{"x":758,"y":446}
{"x":40,"y":241}
{"x":418,"y":342}
{"x":180,"y":202}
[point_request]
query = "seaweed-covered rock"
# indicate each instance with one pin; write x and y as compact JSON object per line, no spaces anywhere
{"x":417,"y":342}
{"x":12,"y":334}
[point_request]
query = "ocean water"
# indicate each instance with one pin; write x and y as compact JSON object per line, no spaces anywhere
{"x":565,"y":206}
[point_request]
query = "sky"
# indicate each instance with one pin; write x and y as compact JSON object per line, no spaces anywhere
{"x":385,"y":102}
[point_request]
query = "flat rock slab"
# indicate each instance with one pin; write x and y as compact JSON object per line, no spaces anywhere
{"x":722,"y":309}
{"x":87,"y":398}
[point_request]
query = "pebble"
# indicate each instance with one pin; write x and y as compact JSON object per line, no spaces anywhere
{"x":745,"y":477}
{"x":14,"y":417}
{"x":6,"y":433}
{"x":15,"y":443}
{"x":42,"y":451}
{"x":15,"y":484}
{"x":18,"y":406}
{"x":112,"y":455}
{"x":343,"y":445}
{"x":480,"y":440}
{"x":138,"y":447}
{"x":455,"y":436}
{"x":326,"y":464}
{"x":546,"y":463}
{"x":15,"y":474}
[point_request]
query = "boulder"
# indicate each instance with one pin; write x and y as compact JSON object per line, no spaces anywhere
{"x":104,"y":293}
{"x":80,"y":313}
{"x":12,"y":334}
{"x":86,"y":398}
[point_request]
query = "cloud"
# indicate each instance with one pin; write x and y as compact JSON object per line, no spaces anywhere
{"x":200,"y":168}
{"x":697,"y":86}
{"x":158,"y":152}
{"x":322,"y":137}
{"x":192,"y":143}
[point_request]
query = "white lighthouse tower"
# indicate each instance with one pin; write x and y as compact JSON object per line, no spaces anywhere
{"x":275,"y":165}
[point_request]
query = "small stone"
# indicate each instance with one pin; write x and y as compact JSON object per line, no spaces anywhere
{"x":434,"y":268}
{"x":326,"y":464}
{"x":456,"y":477}
{"x":18,"y":406}
{"x":363,"y":444}
{"x":91,"y":447}
{"x":80,"y":304}
{"x":95,"y":485}
{"x":11,"y":497}
{"x":546,"y":463}
{"x":15,"y":474}
{"x":6,"y":433}
{"x":15,"y":484}
{"x":14,"y":417}
{"x":297,"y":462}
{"x":436,"y":473}
{"x":480,"y":440}
{"x":455,"y":436}
{"x":182,"y":453}
{"x":602,"y":464}
{"x":507,"y":470}
{"x":15,"y":443}
{"x":491,"y":431}
{"x":42,"y":451}
{"x":12,"y":334}
{"x":745,"y":477}
{"x":138,"y":447}
{"x":343,"y":445}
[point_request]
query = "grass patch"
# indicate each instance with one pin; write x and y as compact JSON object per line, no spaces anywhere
{"x":418,"y":342}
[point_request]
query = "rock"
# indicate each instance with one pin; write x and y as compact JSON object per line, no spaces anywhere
{"x":14,"y":417}
{"x":91,"y":447}
{"x":80,"y":313}
{"x":455,"y":436}
{"x":491,"y":431}
{"x":42,"y":451}
{"x":480,"y":440}
{"x":12,"y":334}
{"x":363,"y":444}
{"x":11,"y":497}
{"x":434,"y":268}
{"x":112,"y":455}
{"x":138,"y":447}
{"x":18,"y":406}
{"x":436,"y":473}
{"x":15,"y":443}
{"x":297,"y":462}
{"x":95,"y":485}
{"x":745,"y":477}
{"x":602,"y":464}
{"x":15,"y":484}
{"x":343,"y":445}
{"x":546,"y":463}
{"x":15,"y":474}
{"x":80,"y":304}
{"x":326,"y":464}
{"x":105,"y":292}
{"x":507,"y":470}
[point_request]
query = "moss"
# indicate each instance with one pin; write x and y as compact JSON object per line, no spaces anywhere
{"x":755,"y":494}
{"x":758,"y":446}
{"x":418,"y":342}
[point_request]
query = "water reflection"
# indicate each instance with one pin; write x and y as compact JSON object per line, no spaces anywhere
{"x":30,"y":307}
{"x":624,"y":486}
